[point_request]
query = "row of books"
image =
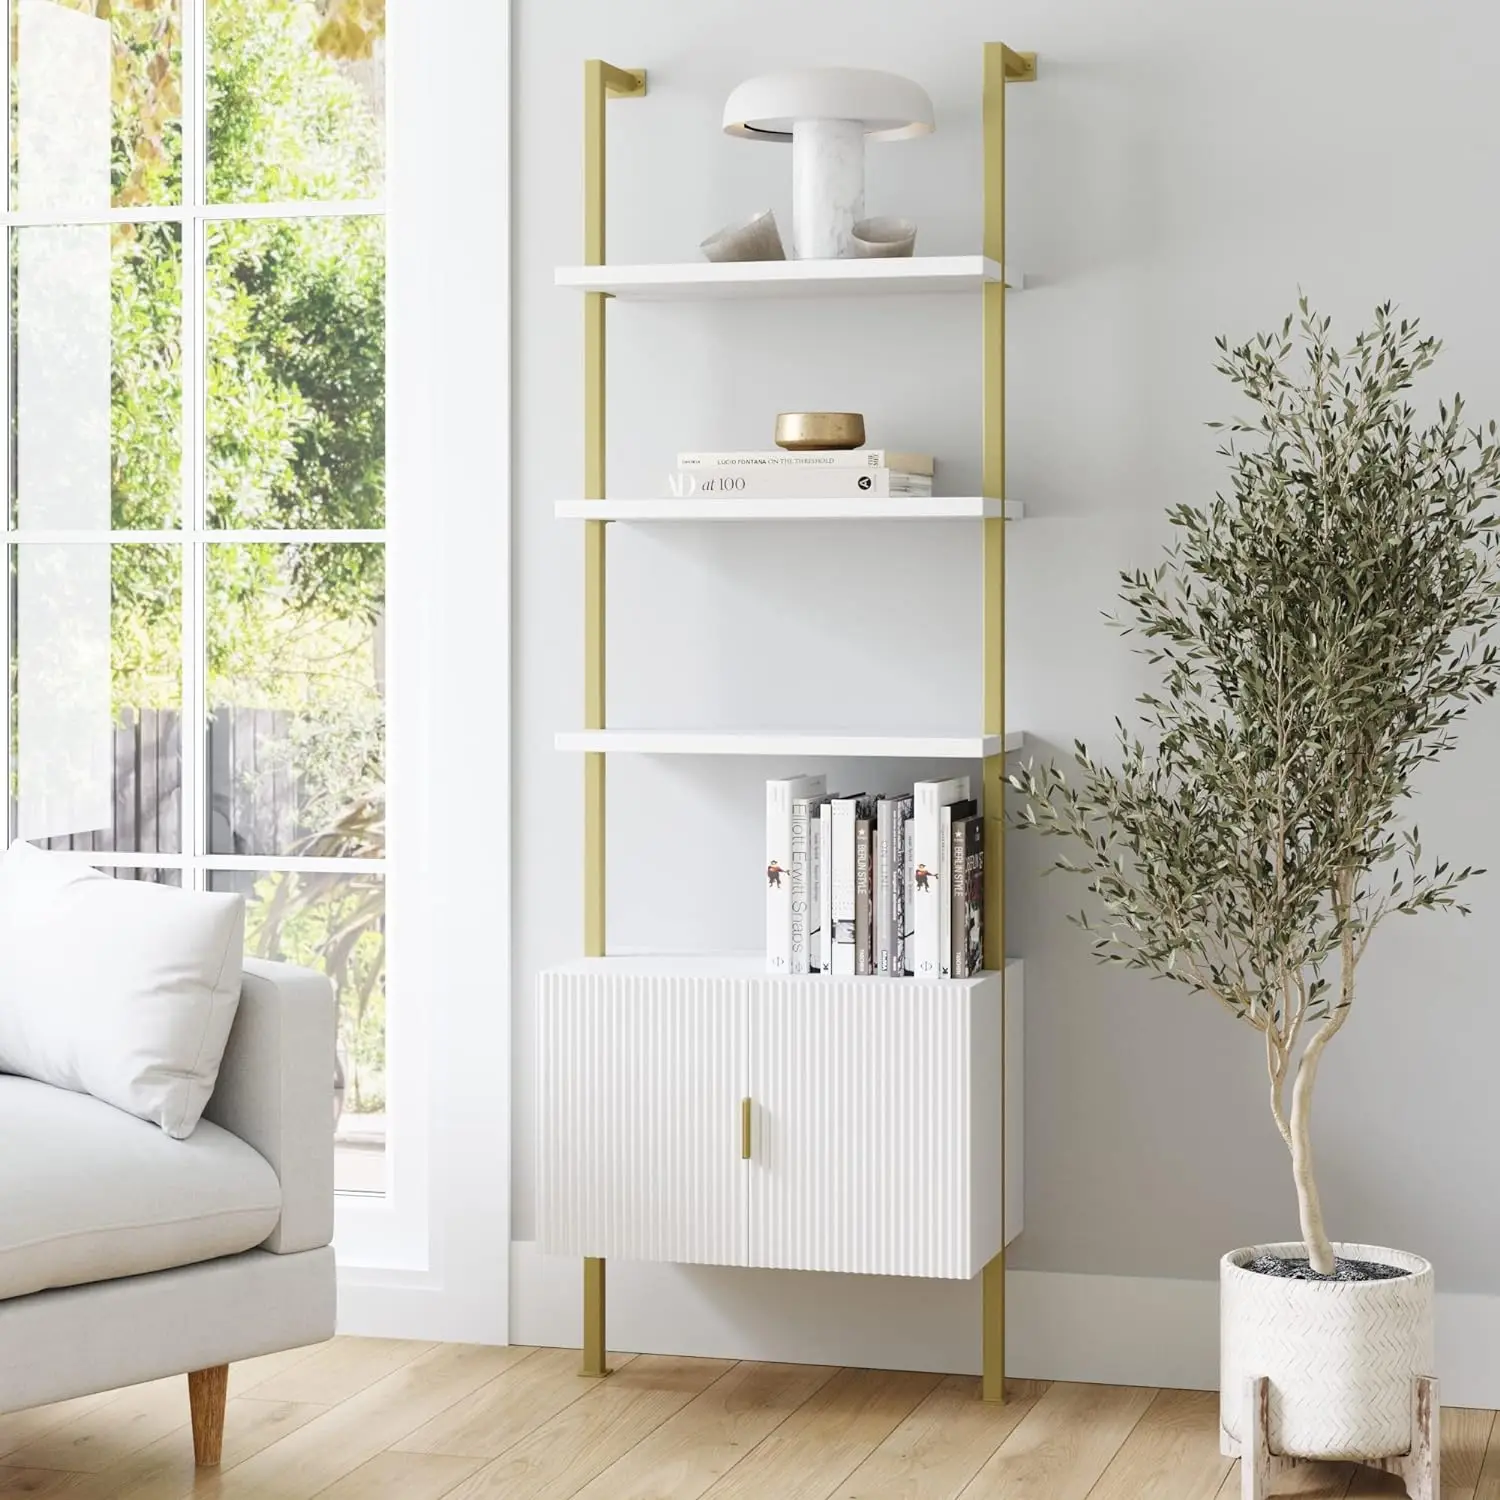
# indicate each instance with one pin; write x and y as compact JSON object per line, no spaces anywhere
{"x":823,"y":475}
{"x":874,"y":885}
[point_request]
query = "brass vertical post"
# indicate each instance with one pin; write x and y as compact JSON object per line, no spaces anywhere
{"x":593,"y":489}
{"x":599,"y":79}
{"x":1000,"y":65}
{"x":594,"y":1322}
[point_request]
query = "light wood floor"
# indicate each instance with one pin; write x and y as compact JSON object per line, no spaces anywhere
{"x":374,"y":1419}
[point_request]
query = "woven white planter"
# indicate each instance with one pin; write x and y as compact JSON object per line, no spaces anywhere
{"x":1341,"y":1357}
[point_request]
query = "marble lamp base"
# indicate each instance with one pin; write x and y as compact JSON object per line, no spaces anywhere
{"x":828,"y":188}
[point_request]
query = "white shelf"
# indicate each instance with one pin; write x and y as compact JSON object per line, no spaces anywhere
{"x":697,"y":280}
{"x":738,"y":508}
{"x":824,"y":746}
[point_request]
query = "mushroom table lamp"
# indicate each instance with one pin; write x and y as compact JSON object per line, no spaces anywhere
{"x":826,"y":113}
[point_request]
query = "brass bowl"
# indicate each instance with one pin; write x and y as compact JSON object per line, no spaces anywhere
{"x":809,"y":431}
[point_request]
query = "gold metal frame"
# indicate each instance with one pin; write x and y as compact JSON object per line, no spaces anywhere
{"x":600,"y":81}
{"x":1001,"y":66}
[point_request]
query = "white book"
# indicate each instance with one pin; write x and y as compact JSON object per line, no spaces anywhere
{"x":781,"y":922}
{"x":804,"y":879}
{"x":945,"y":889}
{"x":891,"y":814}
{"x":844,"y":888}
{"x":823,"y":458}
{"x":825,"y":888}
{"x":815,"y":882}
{"x":929,"y":894}
{"x":802,"y":484}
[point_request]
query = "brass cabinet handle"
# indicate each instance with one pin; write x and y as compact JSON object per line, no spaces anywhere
{"x":744,"y":1129}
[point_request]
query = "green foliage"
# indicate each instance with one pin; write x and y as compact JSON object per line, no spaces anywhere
{"x":284,"y":119}
{"x":1318,"y":634}
{"x":146,"y":95}
{"x":296,"y":378}
{"x":336,"y":923}
{"x":146,"y":378}
{"x":146,"y":461}
{"x":294,"y":425}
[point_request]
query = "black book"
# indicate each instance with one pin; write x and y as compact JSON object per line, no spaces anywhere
{"x":864,"y":893}
{"x":968,"y":897}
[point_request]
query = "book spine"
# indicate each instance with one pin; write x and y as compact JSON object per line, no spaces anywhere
{"x":800,"y":879}
{"x":863,"y":924}
{"x":924,"y":878}
{"x":929,"y":959}
{"x":778,"y":877}
{"x":974,"y":866}
{"x":842,"y":881}
{"x":854,"y":458}
{"x":825,"y":887}
{"x":776,"y":484}
{"x":945,"y":893}
{"x":958,"y":956}
{"x":908,"y":899}
{"x":884,"y":927}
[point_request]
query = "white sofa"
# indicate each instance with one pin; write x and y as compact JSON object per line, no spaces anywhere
{"x":126,"y":1255}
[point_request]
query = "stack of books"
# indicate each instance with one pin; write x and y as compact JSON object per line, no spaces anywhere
{"x":823,"y":475}
{"x":874,"y":885}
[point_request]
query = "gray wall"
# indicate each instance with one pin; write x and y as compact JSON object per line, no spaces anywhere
{"x":1181,"y":169}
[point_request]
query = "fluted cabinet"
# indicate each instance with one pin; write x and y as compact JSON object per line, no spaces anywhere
{"x":704,"y":1111}
{"x":639,"y":1086}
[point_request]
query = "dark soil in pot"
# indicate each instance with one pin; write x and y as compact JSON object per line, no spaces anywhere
{"x":1299,"y":1269}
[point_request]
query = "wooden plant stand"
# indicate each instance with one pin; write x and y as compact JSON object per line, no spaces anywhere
{"x":1417,"y":1470}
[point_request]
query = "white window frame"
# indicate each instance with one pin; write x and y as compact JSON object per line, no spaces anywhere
{"x":448,"y":91}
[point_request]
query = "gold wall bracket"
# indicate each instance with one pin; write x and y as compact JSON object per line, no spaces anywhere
{"x":624,"y":83}
{"x":1020,"y":67}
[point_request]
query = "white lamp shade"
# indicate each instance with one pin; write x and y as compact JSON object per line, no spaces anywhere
{"x":889,"y":107}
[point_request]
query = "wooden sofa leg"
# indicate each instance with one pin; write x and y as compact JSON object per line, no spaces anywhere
{"x":208,"y":1391}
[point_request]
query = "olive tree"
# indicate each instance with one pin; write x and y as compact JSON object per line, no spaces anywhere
{"x":1318,"y":631}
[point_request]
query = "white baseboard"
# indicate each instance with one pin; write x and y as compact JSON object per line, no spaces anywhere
{"x":1116,"y":1330}
{"x":394,"y":1304}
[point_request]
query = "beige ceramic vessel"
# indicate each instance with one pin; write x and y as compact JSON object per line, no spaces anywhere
{"x":808,"y":431}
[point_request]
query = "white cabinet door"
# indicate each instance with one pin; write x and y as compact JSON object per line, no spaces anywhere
{"x":640,"y":1081}
{"x":876,"y":1126}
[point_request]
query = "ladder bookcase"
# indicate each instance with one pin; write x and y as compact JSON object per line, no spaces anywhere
{"x":684,"y":1103}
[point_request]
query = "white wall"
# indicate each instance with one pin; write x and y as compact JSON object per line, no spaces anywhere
{"x":1179,"y":170}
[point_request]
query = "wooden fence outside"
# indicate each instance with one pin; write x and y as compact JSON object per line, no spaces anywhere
{"x":253,"y":790}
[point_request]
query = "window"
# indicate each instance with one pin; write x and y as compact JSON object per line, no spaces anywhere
{"x":196,"y":620}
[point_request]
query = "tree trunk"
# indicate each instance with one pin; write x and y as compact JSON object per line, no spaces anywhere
{"x":1309,"y":1205}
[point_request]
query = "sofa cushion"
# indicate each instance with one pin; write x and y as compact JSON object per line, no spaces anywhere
{"x":117,"y":988}
{"x":88,"y":1192}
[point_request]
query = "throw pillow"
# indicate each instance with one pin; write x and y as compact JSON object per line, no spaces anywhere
{"x":121,"y":989}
